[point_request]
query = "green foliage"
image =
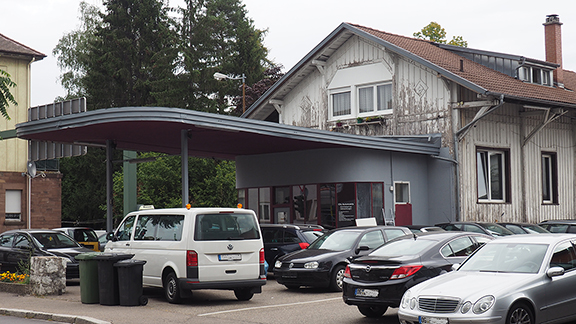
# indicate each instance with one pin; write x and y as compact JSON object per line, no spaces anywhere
{"x":212,"y":183}
{"x":435,"y":33}
{"x":5,"y":96}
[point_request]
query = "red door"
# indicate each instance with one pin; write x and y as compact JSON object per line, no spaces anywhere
{"x":403,"y":214}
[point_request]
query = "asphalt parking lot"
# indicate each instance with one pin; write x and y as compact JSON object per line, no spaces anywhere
{"x":275,"y":304}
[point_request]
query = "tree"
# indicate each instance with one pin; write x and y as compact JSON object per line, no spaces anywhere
{"x":435,"y":33}
{"x":5,"y":95}
{"x":217,"y":36}
{"x":73,"y":50}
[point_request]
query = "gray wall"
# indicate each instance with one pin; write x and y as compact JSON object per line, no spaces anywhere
{"x":430,"y":179}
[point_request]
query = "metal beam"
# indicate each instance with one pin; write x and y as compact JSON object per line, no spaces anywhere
{"x":184,"y":163}
{"x":109,"y":186}
{"x":11,"y":133}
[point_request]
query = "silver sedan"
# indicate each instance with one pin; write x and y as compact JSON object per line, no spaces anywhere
{"x":520,"y":279}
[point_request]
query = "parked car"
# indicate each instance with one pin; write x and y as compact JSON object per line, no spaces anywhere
{"x":524,"y":228}
{"x":102,"y":240}
{"x":377,"y":281}
{"x":560,"y":226}
{"x":281,"y":239}
{"x":323,"y":263}
{"x":16,"y":246}
{"x":477,"y":227}
{"x":515,"y":279}
{"x":83,"y":235}
{"x":194,"y":248}
{"x":424,"y":228}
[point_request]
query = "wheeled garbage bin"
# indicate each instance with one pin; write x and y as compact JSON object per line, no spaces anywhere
{"x":89,"y":293}
{"x":108,"y":277}
{"x":130,"y":282}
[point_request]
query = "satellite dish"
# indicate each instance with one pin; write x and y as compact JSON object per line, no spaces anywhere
{"x":31,"y":169}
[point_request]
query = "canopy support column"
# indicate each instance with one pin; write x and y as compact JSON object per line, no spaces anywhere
{"x":184,"y":161}
{"x":109,"y":186}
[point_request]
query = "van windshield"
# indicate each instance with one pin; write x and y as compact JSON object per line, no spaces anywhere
{"x":231,"y":226}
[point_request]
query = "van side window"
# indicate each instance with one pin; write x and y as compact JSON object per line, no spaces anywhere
{"x":124,"y":231}
{"x":146,"y":228}
{"x":213,"y":227}
{"x":169,"y":228}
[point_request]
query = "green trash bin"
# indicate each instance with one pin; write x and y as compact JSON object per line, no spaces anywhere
{"x":89,"y":293}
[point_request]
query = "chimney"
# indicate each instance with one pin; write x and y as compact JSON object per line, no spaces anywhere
{"x":553,"y":43}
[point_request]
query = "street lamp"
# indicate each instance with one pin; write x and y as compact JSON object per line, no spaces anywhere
{"x":221,"y":76}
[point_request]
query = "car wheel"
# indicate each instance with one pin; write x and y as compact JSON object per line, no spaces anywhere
{"x":373,"y":311}
{"x":172,"y":289}
{"x":243,"y":294}
{"x":292,"y":287}
{"x":337,"y":278}
{"x":520,"y":313}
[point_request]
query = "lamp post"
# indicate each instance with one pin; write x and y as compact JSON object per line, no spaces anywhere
{"x":221,"y":76}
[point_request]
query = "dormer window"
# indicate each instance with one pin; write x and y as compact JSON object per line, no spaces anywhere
{"x":535,"y":75}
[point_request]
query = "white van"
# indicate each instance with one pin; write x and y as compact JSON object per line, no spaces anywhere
{"x":196,"y":248}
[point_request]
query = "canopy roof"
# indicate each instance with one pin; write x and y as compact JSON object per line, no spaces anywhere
{"x":159,"y":129}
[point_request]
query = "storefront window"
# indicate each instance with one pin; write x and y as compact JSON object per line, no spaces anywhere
{"x":305,"y":204}
{"x":378,"y":202}
{"x":252,"y":202}
{"x":328,"y":205}
{"x":281,"y":195}
{"x":264,"y":205}
{"x":346,"y":197}
{"x":363,"y":200}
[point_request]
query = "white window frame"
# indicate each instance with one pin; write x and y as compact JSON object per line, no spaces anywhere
{"x":484,"y":178}
{"x":341,"y":91}
{"x":397,"y":187}
{"x":374,"y":110}
{"x":526,"y":73}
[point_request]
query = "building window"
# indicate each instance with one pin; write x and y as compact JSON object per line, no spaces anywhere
{"x":401,"y":192}
{"x":535,"y":75}
{"x":549,"y":179}
{"x":491,"y":168}
{"x":341,"y":104}
{"x":264,"y":202}
{"x":376,"y":98}
{"x":13,"y":205}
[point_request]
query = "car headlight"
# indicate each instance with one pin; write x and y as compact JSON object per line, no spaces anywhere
{"x":405,"y":299}
{"x":466,"y":307}
{"x":311,"y":265}
{"x":483,"y":304}
{"x":278,"y":264}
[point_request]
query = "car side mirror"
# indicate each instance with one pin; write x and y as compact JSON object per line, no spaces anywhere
{"x":362,"y":248}
{"x":555,"y":272}
{"x":111,"y":237}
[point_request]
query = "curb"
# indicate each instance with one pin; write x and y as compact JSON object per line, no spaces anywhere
{"x":72,"y":319}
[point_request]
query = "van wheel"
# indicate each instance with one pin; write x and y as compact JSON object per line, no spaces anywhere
{"x":243,"y":294}
{"x":337,"y":278}
{"x":172,"y":289}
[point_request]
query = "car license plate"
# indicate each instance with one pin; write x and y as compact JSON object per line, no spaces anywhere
{"x":230,"y":257}
{"x":432,"y":320}
{"x":360,"y":292}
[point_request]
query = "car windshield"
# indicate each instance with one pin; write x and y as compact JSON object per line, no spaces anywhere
{"x":497,"y":230}
{"x":336,"y":241}
{"x":54,"y":240}
{"x":535,"y":229}
{"x":311,"y":236}
{"x":402,"y":247}
{"x":507,"y":257}
{"x":85,"y":235}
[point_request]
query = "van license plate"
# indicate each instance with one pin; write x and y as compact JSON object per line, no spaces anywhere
{"x":432,"y":320}
{"x":366,"y":292}
{"x":230,"y":257}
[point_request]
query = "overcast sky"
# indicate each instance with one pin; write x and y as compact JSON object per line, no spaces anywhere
{"x":296,"y":26}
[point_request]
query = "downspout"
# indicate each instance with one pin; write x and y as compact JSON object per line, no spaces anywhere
{"x":28,"y":96}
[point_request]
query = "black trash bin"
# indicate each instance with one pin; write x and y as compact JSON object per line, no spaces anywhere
{"x":108,"y":277}
{"x":88,"y":277}
{"x":130,"y":282}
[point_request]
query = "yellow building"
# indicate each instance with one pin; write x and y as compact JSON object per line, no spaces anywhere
{"x":24,"y":202}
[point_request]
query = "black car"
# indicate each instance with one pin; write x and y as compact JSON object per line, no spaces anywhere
{"x":322,"y":264}
{"x":492,"y":229}
{"x":377,"y":281}
{"x":560,"y":226}
{"x":281,"y":239}
{"x":16,"y":246}
{"x":524,"y":228}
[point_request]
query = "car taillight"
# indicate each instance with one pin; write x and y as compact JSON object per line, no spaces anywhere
{"x":303,"y":245}
{"x":347,"y":273}
{"x":405,"y":271}
{"x":262,"y":256}
{"x":191,"y":259}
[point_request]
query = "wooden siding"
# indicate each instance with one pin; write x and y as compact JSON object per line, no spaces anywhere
{"x":506,"y":129}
